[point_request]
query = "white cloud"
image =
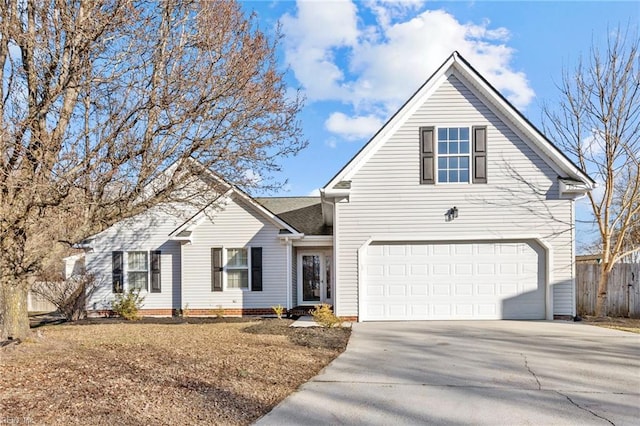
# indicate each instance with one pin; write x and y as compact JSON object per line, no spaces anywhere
{"x":252,"y":177}
{"x":311,"y":36}
{"x":331,"y":142}
{"x":314,"y":193}
{"x":594,"y":144}
{"x":374,"y":68}
{"x":352,"y":128}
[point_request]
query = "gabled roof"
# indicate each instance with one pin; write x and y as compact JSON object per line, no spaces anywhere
{"x":337,"y":186}
{"x":303,"y":213}
{"x":184,"y":230}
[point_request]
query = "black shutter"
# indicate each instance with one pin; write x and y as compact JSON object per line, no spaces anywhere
{"x":216,"y":269}
{"x":427,"y":170}
{"x":117,"y":272}
{"x":156,"y":286}
{"x":256,"y":268}
{"x":479,"y":155}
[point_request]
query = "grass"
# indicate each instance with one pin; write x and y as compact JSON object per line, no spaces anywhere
{"x":113,"y":372}
{"x":624,"y":324}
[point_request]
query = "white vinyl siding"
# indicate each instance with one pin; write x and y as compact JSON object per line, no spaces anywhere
{"x":146,"y":232}
{"x":521,"y":196}
{"x":237,"y":225}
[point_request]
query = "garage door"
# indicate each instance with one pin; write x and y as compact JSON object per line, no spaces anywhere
{"x":477,"y":280}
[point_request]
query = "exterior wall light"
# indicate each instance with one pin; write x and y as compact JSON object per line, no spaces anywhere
{"x":451,"y":214}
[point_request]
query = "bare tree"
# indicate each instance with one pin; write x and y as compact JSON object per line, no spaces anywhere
{"x":101,"y":100}
{"x":597,"y":121}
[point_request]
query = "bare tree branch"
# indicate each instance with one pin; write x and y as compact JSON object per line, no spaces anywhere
{"x":597,"y":121}
{"x":103,"y":98}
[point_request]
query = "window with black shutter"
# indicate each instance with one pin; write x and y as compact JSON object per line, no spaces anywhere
{"x":156,"y":284}
{"x":427,"y":173}
{"x":216,"y":269}
{"x":479,"y":155}
{"x":453,"y":155}
{"x":117,"y":272}
{"x":256,"y":268}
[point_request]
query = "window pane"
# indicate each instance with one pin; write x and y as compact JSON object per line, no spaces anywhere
{"x":464,"y":134}
{"x":464,"y":147}
{"x":453,"y":147}
{"x":138,"y":280}
{"x":453,"y":162}
{"x":238,"y":278}
{"x":442,"y":148}
{"x":453,"y":133}
{"x":442,"y":163}
{"x":464,"y":163}
{"x":237,"y":257}
{"x":137,"y":260}
{"x":442,"y":176}
{"x":464,"y":176}
{"x":453,"y":176}
{"x":442,"y":134}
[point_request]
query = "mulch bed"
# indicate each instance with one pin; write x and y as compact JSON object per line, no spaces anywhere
{"x":625,"y":324}
{"x":160,"y":370}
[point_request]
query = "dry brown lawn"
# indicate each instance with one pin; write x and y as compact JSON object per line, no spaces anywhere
{"x":625,"y":324}
{"x":147,"y":373}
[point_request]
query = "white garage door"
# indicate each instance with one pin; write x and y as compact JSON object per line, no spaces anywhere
{"x":477,"y":280}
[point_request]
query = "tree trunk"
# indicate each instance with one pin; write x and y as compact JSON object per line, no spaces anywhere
{"x":603,"y":283}
{"x":15,"y":316}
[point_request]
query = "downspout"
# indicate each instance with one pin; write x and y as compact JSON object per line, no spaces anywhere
{"x":289,"y":282}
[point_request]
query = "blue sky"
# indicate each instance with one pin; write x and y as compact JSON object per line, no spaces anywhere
{"x":357,"y":62}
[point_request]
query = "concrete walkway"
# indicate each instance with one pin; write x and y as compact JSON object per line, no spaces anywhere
{"x":474,"y":373}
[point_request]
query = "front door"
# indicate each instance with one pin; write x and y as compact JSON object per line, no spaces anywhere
{"x":314,"y":279}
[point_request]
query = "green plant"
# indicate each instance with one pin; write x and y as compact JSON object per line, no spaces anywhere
{"x":127,"y":305}
{"x":184,"y":312}
{"x":323,"y":315}
{"x":219,"y":312}
{"x":279,"y":310}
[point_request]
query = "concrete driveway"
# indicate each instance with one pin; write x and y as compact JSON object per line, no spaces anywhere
{"x":472,"y":373}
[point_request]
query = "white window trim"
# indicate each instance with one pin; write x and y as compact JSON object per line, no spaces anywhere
{"x":125,"y":265}
{"x":437,"y":154}
{"x":225,"y":268}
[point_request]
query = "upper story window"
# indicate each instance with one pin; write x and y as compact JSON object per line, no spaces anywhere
{"x":453,"y":155}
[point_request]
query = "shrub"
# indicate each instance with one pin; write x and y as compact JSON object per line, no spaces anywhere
{"x":279,"y":310}
{"x":219,"y":312}
{"x":127,"y":305}
{"x":323,"y":315}
{"x":68,"y":296}
{"x":185,"y":312}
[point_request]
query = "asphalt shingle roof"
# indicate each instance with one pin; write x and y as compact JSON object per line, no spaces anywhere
{"x":302,"y":213}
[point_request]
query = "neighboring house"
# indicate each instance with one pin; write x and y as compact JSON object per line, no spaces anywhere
{"x":458,"y":208}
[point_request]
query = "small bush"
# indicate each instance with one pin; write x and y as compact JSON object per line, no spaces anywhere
{"x":279,"y":310}
{"x":185,"y":312}
{"x":127,"y":305}
{"x":219,"y":312}
{"x":323,"y":315}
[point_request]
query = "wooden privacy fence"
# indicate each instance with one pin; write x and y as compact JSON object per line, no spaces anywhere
{"x":623,"y":294}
